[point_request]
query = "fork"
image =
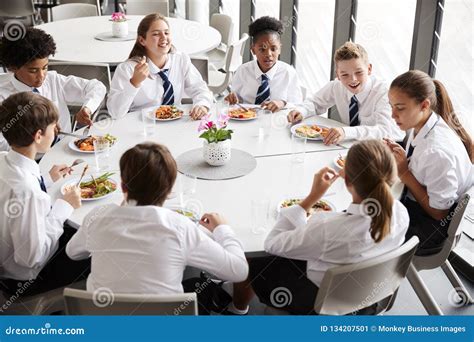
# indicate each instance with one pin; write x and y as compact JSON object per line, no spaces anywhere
{"x":74,"y":163}
{"x":82,"y":175}
{"x":86,"y":131}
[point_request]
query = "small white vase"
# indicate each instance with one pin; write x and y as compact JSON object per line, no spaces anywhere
{"x":120,"y":29}
{"x":217,"y":154}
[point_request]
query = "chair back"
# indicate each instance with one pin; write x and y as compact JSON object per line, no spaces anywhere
{"x":70,"y":11}
{"x":349,"y":288}
{"x":145,"y":7}
{"x":90,"y":2}
{"x":235,"y":54}
{"x":223,"y":23}
{"x":99,"y":71}
{"x":16,"y":8}
{"x":202,"y":64}
{"x":80,"y":302}
{"x":433,"y":260}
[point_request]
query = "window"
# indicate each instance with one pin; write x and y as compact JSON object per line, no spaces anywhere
{"x":232,"y":9}
{"x":455,"y":58}
{"x":267,"y":7}
{"x":314,"y":43}
{"x":385,"y":30}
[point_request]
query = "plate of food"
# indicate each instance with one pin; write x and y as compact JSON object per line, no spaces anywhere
{"x":340,"y":161}
{"x":311,"y":132}
{"x":243,"y":113}
{"x":190,"y":214}
{"x":93,"y":188}
{"x":322,"y":205}
{"x":86,"y":145}
{"x":165,"y":113}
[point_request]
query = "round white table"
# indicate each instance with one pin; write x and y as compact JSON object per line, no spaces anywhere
{"x":249,"y":203}
{"x":76,"y":43}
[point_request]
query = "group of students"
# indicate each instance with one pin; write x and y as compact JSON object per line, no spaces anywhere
{"x":142,"y":247}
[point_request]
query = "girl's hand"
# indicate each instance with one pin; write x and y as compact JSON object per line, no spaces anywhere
{"x":334,"y":136}
{"x":212,"y":221}
{"x":294,"y":116}
{"x":400,"y":158}
{"x":232,"y":98}
{"x":198,"y":112}
{"x":59,"y":171}
{"x":140,"y":73}
{"x":274,"y":105}
{"x":321,"y":183}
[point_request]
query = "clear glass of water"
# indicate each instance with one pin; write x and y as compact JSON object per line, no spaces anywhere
{"x":260,"y":215}
{"x":102,"y":153}
{"x":149,"y":122}
{"x":264,"y":122}
{"x":298,"y":148}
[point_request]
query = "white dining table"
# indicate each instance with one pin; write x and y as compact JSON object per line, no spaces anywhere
{"x":75,"y":40}
{"x":246,"y":201}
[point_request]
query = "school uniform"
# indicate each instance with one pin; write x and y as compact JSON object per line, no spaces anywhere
{"x":367,"y":114}
{"x":281,"y":82}
{"x":439,"y":161}
{"x":164,"y":86}
{"x":312,"y":246}
{"x":61,"y":90}
{"x":31,"y":226}
{"x":144,"y":249}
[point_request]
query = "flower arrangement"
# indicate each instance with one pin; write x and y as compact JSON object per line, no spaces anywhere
{"x":118,"y":17}
{"x":215,"y":132}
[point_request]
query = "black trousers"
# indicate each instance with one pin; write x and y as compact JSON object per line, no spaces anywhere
{"x":59,"y":271}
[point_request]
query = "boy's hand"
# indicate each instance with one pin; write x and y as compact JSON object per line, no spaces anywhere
{"x":294,"y":116}
{"x":59,"y":171}
{"x":197,"y":112}
{"x":232,"y":98}
{"x":140,"y":73}
{"x":334,"y":136}
{"x":84,"y":116}
{"x":72,"y":195}
{"x":274,"y":105}
{"x":212,"y":221}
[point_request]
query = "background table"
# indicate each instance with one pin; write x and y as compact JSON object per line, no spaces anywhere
{"x":76,"y":43}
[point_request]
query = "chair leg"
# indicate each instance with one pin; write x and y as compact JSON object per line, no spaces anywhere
{"x":431,"y":307}
{"x":463,"y":293}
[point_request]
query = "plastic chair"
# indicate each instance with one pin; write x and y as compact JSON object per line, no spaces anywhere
{"x":80,"y":302}
{"x":144,"y":7}
{"x":222,"y":23}
{"x":16,"y":9}
{"x":69,"y":11}
{"x":349,"y":288}
{"x":219,"y":81}
{"x":90,"y":2}
{"x":440,"y":259}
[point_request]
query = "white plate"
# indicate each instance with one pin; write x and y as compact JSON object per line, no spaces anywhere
{"x":73,"y":181}
{"x":194,"y":217}
{"x":278,"y":208}
{"x":293,"y":131}
{"x":73,"y":147}
{"x":339,"y":167}
{"x":151,"y":115}
{"x":245,"y":106}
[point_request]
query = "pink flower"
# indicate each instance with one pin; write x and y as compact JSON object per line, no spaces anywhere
{"x":202,"y":125}
{"x":222,"y":120}
{"x":209,"y":124}
{"x":118,"y":16}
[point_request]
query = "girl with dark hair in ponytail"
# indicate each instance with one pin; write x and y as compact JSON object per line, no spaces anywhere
{"x":437,"y":167}
{"x":305,"y":247}
{"x":156,"y":74}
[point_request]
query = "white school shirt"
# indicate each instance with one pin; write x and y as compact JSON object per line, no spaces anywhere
{"x":29,"y":226}
{"x":375,"y":113}
{"x":327,"y":240}
{"x":61,"y":90}
{"x":144,"y":249}
{"x":183,"y":75}
{"x":440,"y":163}
{"x":282,"y":78}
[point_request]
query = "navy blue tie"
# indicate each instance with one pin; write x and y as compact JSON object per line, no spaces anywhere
{"x":168,"y":94}
{"x":42,"y":185}
{"x":354,"y":112}
{"x":405,"y":189}
{"x":263,"y":92}
{"x":35,"y":90}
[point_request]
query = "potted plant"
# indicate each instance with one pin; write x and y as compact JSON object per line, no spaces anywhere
{"x":119,"y":25}
{"x":217,"y":144}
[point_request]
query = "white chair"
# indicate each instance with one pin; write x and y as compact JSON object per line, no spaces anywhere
{"x":79,"y":302}
{"x":194,"y":10}
{"x":90,"y":2}
{"x":219,"y":81}
{"x":222,"y":23}
{"x":145,"y":7}
{"x":70,"y":11}
{"x":440,"y":259}
{"x":18,"y":9}
{"x":350,"y":288}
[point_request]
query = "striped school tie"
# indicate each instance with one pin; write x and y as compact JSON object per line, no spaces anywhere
{"x":35,"y":90}
{"x":263,"y":92}
{"x":168,"y":94}
{"x":405,"y":189}
{"x":41,"y":183}
{"x":354,"y":112}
